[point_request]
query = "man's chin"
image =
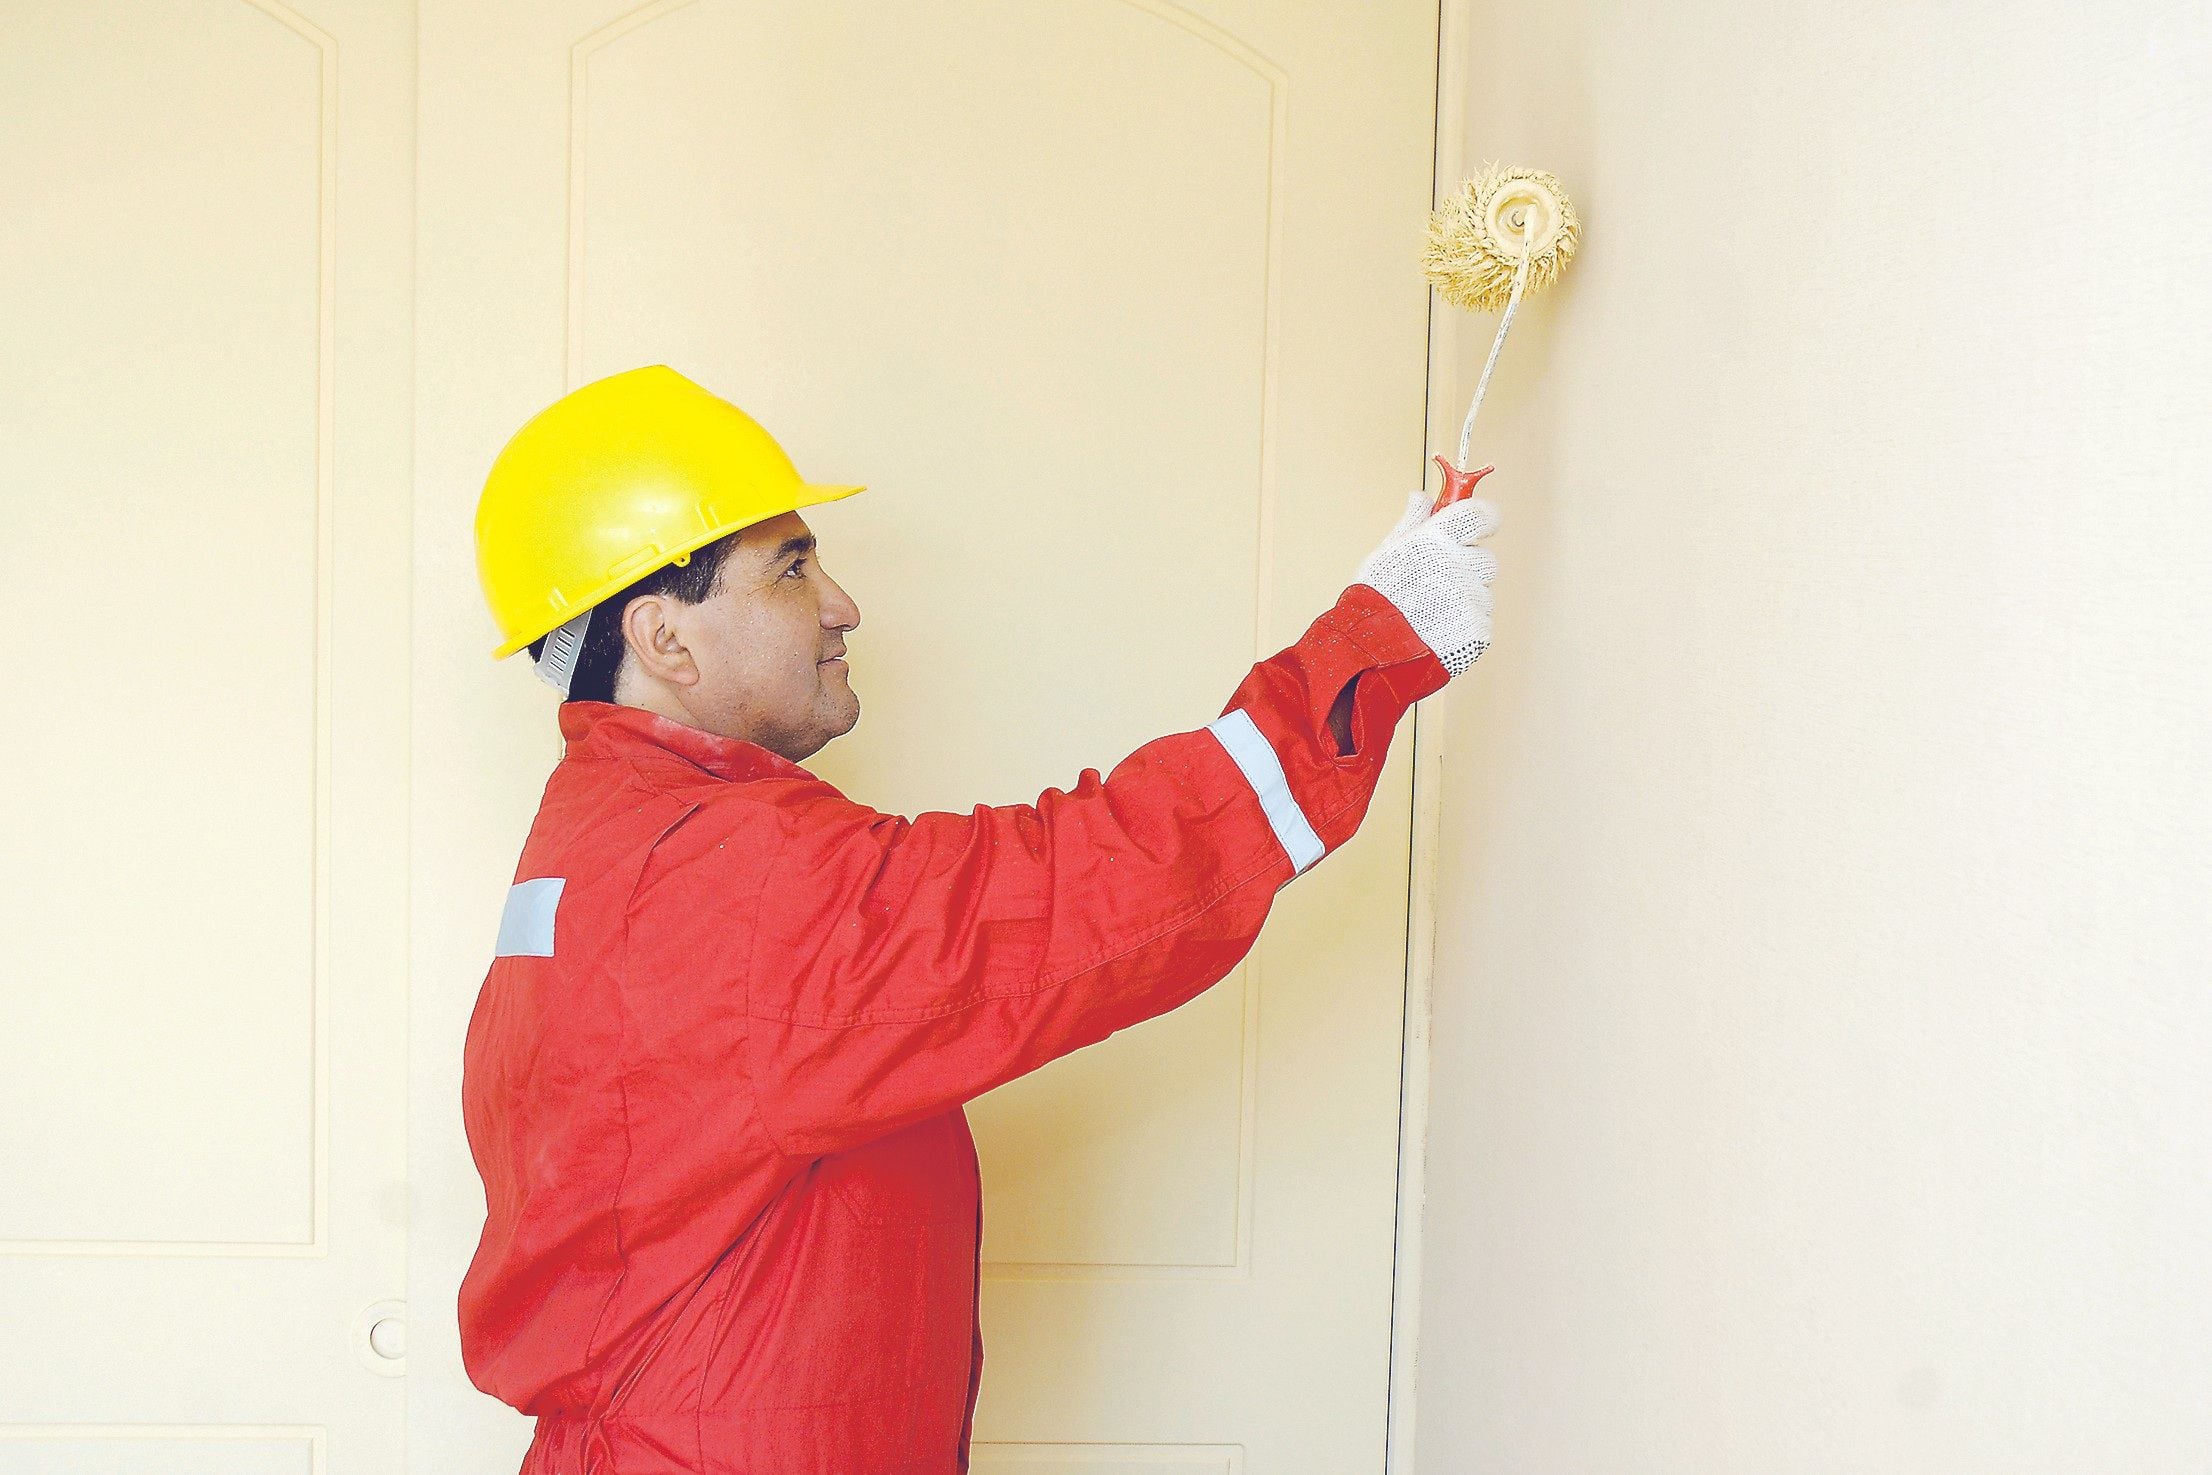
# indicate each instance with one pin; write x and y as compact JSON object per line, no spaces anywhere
{"x":836,"y":704}
{"x":840,"y":708}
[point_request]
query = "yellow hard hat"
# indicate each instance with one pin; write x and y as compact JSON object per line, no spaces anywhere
{"x":626,"y":475}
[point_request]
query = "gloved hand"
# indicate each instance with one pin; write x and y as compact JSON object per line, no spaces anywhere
{"x":1430,"y":568}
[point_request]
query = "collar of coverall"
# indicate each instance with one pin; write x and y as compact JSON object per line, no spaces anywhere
{"x":608,"y":730}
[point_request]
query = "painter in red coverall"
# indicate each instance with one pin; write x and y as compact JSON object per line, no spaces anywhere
{"x":715,"y":1075}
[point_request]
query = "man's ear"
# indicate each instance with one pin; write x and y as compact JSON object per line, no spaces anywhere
{"x":649,"y":631}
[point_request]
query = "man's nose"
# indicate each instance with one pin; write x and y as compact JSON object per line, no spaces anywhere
{"x":839,"y":612}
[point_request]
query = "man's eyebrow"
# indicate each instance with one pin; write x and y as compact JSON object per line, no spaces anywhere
{"x":804,"y":543}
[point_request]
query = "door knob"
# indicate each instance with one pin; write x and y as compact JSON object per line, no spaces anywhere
{"x":388,"y":1338}
{"x":380,"y":1338}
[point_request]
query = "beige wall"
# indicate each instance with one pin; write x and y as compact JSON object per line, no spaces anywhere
{"x":1823,"y":1016}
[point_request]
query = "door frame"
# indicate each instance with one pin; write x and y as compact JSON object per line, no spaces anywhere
{"x":1454,"y":27}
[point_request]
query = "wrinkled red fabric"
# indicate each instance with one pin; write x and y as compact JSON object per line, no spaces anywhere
{"x":732,"y":1203}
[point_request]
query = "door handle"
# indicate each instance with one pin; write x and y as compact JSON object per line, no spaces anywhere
{"x":380,"y":1338}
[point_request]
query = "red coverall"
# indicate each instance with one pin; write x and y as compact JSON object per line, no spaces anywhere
{"x":714,"y":1079}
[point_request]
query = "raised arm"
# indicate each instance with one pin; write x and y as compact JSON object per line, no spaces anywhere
{"x":900,"y":968}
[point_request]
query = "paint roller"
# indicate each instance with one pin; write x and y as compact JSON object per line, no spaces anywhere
{"x":1501,"y":234}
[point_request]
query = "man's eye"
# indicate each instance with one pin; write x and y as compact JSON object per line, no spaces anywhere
{"x":796,"y":566}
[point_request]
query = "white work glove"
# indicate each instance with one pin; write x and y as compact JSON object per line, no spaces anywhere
{"x":1430,"y":568}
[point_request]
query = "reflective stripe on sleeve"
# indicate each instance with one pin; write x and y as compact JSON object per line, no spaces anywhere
{"x":1264,"y":772}
{"x":526,"y":926}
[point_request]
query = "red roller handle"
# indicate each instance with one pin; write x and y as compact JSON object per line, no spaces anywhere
{"x":1458,"y":485}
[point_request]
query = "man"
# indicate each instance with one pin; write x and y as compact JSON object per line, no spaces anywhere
{"x":715,"y":1076}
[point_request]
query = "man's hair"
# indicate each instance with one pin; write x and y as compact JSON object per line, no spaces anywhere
{"x":601,"y":658}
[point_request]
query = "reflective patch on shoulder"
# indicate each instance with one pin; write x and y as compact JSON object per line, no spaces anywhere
{"x":526,"y":926}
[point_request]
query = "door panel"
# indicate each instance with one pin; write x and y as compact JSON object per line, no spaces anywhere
{"x":881,"y":229}
{"x":1116,"y":308}
{"x":191,"y":1107}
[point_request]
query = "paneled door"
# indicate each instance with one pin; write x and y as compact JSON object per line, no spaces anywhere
{"x":1115,"y":305}
{"x":204,"y":423}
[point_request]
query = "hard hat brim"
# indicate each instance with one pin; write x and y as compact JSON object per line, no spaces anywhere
{"x":808,"y":494}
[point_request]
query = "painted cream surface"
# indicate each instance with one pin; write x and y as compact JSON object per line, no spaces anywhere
{"x":204,"y":423}
{"x":1821,"y":1025}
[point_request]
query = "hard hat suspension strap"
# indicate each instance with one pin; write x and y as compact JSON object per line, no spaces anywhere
{"x":556,"y":663}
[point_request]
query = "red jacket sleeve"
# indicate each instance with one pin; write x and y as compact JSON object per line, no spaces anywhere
{"x":899,"y":968}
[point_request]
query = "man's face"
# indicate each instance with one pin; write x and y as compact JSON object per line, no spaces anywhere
{"x":769,"y":644}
